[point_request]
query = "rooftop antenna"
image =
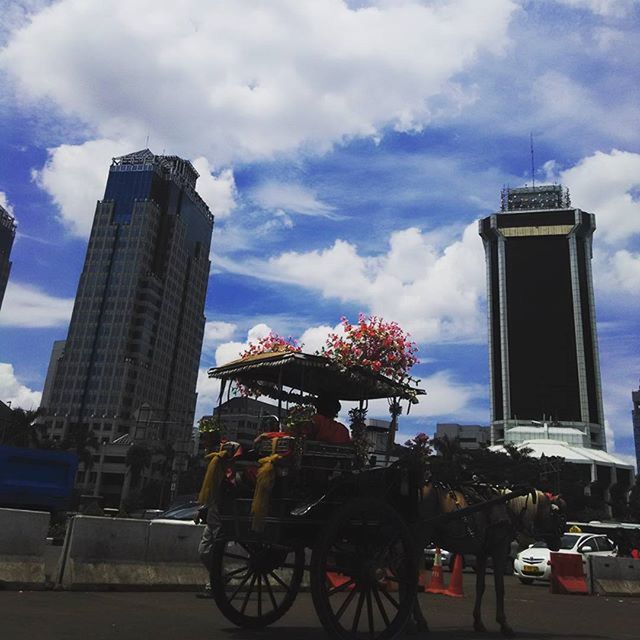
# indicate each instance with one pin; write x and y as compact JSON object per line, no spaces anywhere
{"x":533,"y":172}
{"x":146,"y":142}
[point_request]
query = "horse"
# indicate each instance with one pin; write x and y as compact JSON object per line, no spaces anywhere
{"x":488,"y":533}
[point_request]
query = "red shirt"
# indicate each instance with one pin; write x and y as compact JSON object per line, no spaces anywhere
{"x":328,"y":430}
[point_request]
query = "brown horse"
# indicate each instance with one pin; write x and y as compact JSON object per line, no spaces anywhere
{"x":488,"y":533}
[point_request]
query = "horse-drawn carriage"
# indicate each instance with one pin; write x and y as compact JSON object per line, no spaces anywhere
{"x":349,"y":518}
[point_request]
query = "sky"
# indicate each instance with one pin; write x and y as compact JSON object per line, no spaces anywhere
{"x":347,"y":150}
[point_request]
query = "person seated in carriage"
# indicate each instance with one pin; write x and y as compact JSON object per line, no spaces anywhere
{"x":323,"y":425}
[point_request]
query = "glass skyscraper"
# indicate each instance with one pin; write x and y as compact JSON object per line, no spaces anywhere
{"x":7,"y":235}
{"x":635,"y":414}
{"x":545,"y":374}
{"x":129,"y":366}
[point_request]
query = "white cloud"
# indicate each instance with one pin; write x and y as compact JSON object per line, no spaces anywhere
{"x":217,"y":331}
{"x":446,"y":396}
{"x":606,"y":184}
{"x":14,"y":392}
{"x":618,"y":273}
{"x":607,"y":8}
{"x":248,"y":80}
{"x":292,"y":198}
{"x":4,"y":202}
{"x":433,"y":292}
{"x":231,"y":350}
{"x":208,"y":393}
{"x":29,"y":307}
{"x":75,"y":177}
{"x":16,"y":14}
{"x":218,"y":191}
{"x":314,"y":338}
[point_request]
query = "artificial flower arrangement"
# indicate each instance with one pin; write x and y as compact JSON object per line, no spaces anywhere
{"x":371,"y":343}
{"x":420,"y":448}
{"x":375,"y":344}
{"x":272,"y":342}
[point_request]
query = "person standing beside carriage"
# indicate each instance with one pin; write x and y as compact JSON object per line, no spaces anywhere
{"x":208,"y":499}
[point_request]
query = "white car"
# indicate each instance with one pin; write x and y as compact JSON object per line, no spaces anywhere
{"x":534,"y":562}
{"x":430,"y":554}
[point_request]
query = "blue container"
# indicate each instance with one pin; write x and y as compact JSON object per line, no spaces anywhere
{"x":36,"y":478}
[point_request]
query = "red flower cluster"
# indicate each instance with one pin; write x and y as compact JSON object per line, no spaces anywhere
{"x":382,"y":346}
{"x":271,"y":342}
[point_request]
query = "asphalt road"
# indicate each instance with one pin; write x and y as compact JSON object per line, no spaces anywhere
{"x":531,"y":610}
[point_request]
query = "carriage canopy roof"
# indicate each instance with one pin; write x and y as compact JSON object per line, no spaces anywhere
{"x":312,"y":374}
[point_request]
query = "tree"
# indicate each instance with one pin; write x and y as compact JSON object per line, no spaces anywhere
{"x":167,"y":455}
{"x":81,"y":439}
{"x":21,"y":431}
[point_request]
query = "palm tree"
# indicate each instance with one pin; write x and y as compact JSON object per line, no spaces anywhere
{"x":138,"y":458}
{"x":168,"y":454}
{"x":81,"y":439}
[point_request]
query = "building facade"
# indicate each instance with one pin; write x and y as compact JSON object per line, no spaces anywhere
{"x":7,"y":236}
{"x":544,"y":364}
{"x":242,"y":418}
{"x":635,"y":413}
{"x":128,"y":368}
{"x":470,"y":436}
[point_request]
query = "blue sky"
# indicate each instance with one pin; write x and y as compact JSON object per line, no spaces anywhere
{"x":347,"y":150}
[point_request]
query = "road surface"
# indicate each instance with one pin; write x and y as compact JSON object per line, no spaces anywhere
{"x":531,"y":610}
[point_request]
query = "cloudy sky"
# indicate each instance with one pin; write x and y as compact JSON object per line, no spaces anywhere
{"x":347,"y":149}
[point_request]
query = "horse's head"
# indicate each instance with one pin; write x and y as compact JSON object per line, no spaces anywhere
{"x":551,"y":518}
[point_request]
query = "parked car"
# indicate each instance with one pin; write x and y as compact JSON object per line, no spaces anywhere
{"x":186,"y":511}
{"x":534,"y":562}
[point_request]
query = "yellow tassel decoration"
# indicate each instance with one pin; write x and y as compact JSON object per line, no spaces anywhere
{"x":265,"y":479}
{"x":213,"y":476}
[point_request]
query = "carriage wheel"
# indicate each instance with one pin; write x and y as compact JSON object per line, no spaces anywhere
{"x":255,"y":584}
{"x":371,"y":550}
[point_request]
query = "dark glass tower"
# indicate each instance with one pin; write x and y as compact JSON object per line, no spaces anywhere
{"x":7,"y":235}
{"x":130,"y":361}
{"x":635,"y":397}
{"x":542,"y":333}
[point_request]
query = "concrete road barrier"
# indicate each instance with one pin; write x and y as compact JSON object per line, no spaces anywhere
{"x":104,"y":553}
{"x":615,"y":576}
{"x":23,"y":536}
{"x":120,"y":553}
{"x":172,"y":555}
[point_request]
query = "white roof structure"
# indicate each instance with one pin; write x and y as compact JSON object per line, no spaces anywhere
{"x":577,"y":455}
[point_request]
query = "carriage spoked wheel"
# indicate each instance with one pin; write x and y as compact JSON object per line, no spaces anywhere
{"x":255,"y":584}
{"x":364,"y":572}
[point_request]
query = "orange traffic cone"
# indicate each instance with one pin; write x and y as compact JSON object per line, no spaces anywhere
{"x":455,"y":584}
{"x":436,"y":584}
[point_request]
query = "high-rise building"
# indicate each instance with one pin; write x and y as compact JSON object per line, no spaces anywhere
{"x":635,"y":397}
{"x":544,"y":364}
{"x":7,"y":235}
{"x":129,"y":365}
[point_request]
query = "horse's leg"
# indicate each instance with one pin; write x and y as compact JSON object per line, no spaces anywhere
{"x":419,"y":622}
{"x":499,"y":564}
{"x":481,"y":565}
